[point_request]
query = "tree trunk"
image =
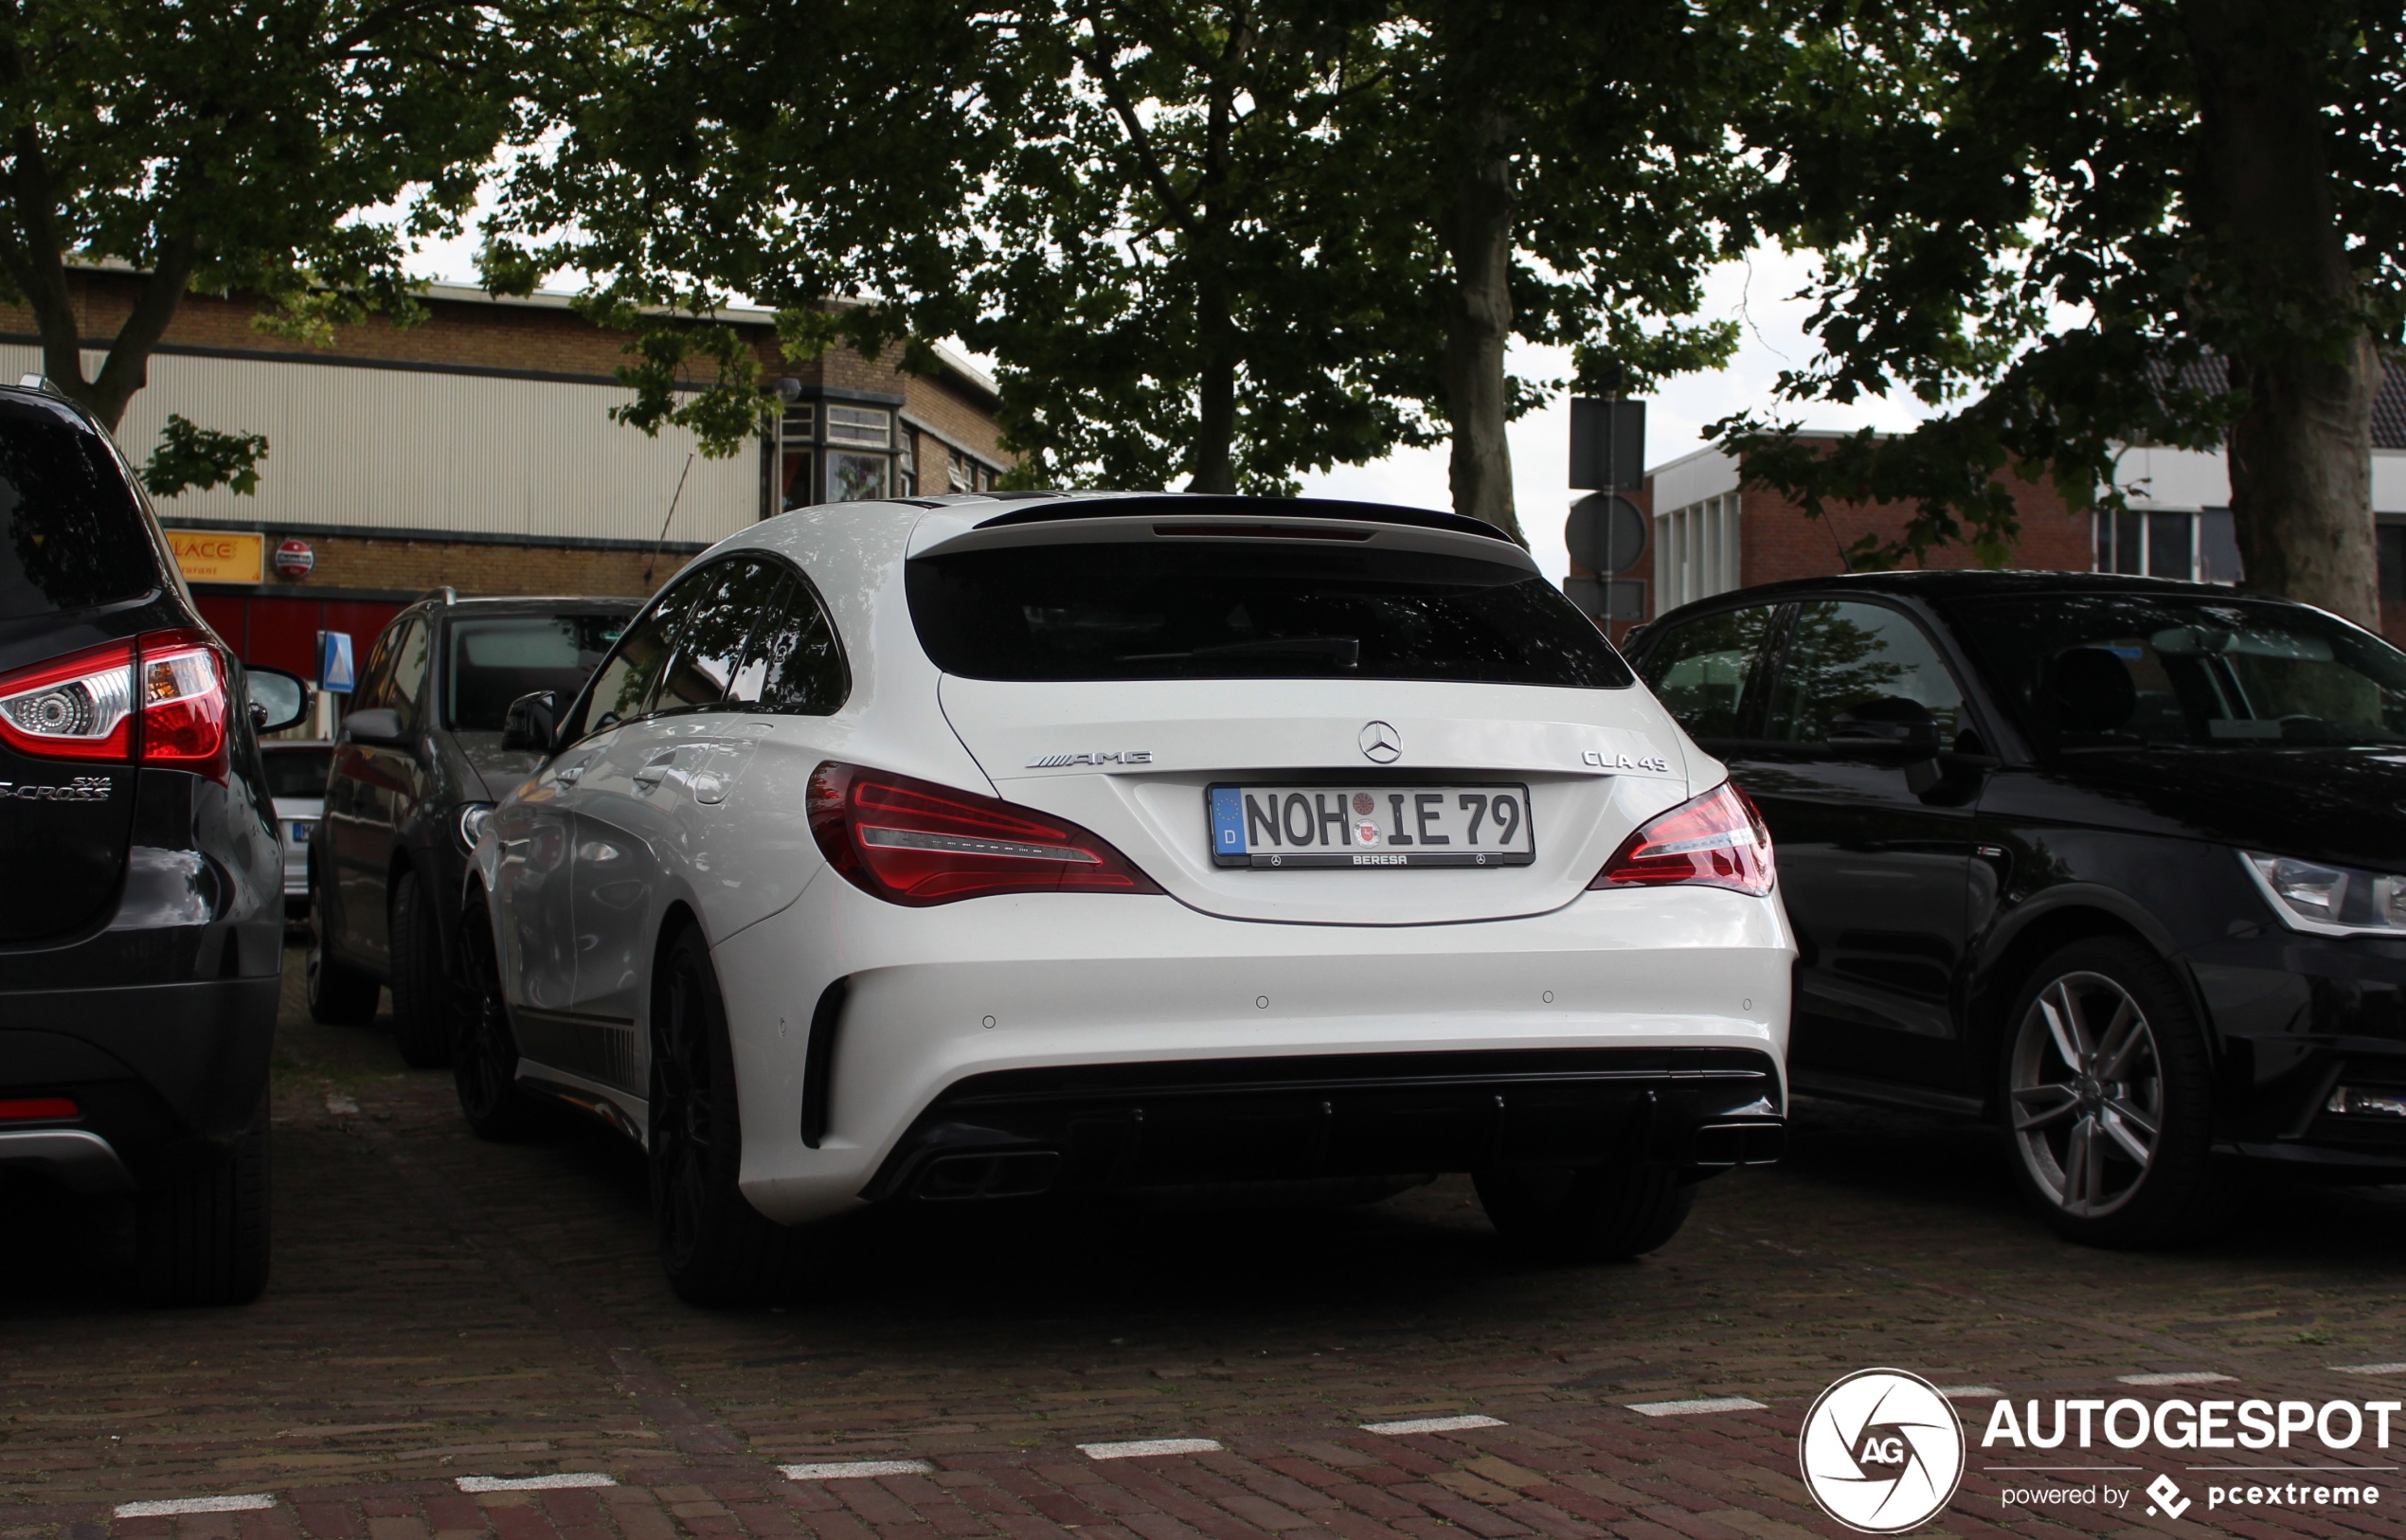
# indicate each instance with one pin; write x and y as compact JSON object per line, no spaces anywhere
{"x":1478,"y":237}
{"x":2301,"y":453}
{"x":1216,"y":385}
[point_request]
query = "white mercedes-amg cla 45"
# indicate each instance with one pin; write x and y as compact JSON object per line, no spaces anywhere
{"x":975,"y":848}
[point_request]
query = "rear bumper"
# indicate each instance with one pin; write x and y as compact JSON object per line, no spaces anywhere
{"x":1051,"y":1023}
{"x":159,"y":1072}
{"x":1089,"y":1128}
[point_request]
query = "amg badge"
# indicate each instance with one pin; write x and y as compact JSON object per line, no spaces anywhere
{"x":1108,"y":756}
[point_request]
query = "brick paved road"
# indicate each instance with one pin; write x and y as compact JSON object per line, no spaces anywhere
{"x":442,"y":1309}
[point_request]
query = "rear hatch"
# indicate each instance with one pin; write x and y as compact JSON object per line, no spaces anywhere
{"x":1298,"y":718}
{"x":76,"y":570}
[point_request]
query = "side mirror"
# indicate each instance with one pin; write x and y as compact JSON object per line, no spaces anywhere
{"x":1890,"y":728}
{"x":378,"y":725}
{"x":279,"y":700}
{"x":532,"y":722}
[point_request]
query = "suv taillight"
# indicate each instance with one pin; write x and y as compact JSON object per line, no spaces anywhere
{"x":183,"y":703}
{"x":1716,"y":840}
{"x":162,"y":697}
{"x":910,"y":841}
{"x":79,"y":707}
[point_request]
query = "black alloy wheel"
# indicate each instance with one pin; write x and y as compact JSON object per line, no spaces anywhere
{"x":422,"y":1027}
{"x":484,"y":1058}
{"x":716,"y":1249}
{"x":2107,"y":1098}
{"x":339,"y":994}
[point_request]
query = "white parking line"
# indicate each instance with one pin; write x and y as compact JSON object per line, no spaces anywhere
{"x":840,"y":1470}
{"x":242,"y":1504}
{"x":1135,"y":1447}
{"x":2182,"y":1376}
{"x":1434,"y":1424}
{"x":2370,"y":1369}
{"x":557,"y":1481}
{"x":1967,"y":1392}
{"x":1689,"y":1408}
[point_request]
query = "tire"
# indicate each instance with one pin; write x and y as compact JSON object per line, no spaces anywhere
{"x":2107,"y":1097}
{"x":716,"y":1249}
{"x":339,"y":994}
{"x":484,"y":1057}
{"x":1592,"y":1214}
{"x":201,"y":1236}
{"x":422,"y":1027}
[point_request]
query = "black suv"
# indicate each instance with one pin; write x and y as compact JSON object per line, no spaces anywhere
{"x":416,"y":768}
{"x":2119,"y":864}
{"x":142,"y":918}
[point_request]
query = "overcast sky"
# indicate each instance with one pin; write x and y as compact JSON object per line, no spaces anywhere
{"x":1757,"y":294}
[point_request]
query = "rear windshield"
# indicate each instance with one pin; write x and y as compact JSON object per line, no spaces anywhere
{"x":495,"y":661}
{"x":1238,"y":610}
{"x":2122,"y":671}
{"x":75,"y":534}
{"x":297,"y":772}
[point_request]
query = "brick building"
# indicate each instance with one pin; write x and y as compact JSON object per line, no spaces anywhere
{"x":1713,"y":531}
{"x":476,"y":450}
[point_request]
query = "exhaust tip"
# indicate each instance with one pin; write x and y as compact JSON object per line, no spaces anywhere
{"x":1018,"y":1174}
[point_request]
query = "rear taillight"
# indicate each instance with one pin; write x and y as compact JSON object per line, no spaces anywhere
{"x":39,"y":1109}
{"x":79,"y":707}
{"x":163,"y":698}
{"x":183,"y":703}
{"x":910,"y":841}
{"x":1716,"y":840}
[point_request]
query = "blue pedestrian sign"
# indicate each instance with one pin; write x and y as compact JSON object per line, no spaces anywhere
{"x":333,"y":662}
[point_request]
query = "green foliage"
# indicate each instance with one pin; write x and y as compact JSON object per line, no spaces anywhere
{"x":689,"y":151}
{"x":248,"y":146}
{"x":191,"y":458}
{"x":2019,"y":207}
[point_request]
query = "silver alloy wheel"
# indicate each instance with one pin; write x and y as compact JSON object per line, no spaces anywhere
{"x":2087,"y":1093}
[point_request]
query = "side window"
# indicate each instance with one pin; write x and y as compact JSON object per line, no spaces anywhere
{"x":794,"y":663}
{"x":621,"y":688}
{"x":710,"y":647}
{"x":373,"y":670}
{"x":1701,"y":671}
{"x":1841,"y":654}
{"x":407,"y":684}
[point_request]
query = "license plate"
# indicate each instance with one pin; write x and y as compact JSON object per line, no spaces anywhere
{"x":1309,"y":827}
{"x":301,"y":834}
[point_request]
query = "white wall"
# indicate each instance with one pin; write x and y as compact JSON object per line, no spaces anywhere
{"x":442,"y":453}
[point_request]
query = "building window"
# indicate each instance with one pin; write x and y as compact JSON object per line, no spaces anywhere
{"x":2199,"y":546}
{"x":794,"y":433}
{"x":907,"y":467}
{"x":868,"y":426}
{"x":959,"y":474}
{"x":2391,"y":538}
{"x":1696,"y":551}
{"x":854,"y":478}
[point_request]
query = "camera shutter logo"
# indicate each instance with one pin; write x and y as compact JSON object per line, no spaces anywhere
{"x":1882,"y":1451}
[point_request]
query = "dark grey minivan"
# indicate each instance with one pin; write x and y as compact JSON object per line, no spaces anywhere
{"x":417,"y":766}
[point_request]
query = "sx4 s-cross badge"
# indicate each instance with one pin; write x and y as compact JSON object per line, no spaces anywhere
{"x":81,"y":789}
{"x":1881,"y":1451}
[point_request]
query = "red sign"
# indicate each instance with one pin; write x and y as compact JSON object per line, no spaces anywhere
{"x":294,"y":559}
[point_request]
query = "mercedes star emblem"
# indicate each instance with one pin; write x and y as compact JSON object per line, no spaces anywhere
{"x":1381,"y":743}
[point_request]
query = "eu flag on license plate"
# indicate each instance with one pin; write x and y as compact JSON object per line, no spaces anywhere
{"x":1228,"y":821}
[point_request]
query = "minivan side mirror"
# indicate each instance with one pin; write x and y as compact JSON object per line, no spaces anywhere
{"x":531,"y":722}
{"x":1890,"y":728}
{"x":279,"y":700}
{"x":378,"y":725}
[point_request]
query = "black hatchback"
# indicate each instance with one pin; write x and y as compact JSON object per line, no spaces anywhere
{"x":141,"y":887}
{"x":2118,"y":863}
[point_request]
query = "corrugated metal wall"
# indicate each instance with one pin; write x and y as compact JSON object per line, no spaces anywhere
{"x":435,"y":452}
